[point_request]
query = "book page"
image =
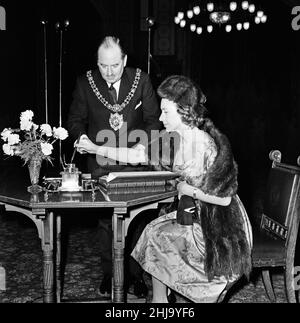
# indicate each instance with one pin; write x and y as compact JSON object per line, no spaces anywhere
{"x":118,"y":175}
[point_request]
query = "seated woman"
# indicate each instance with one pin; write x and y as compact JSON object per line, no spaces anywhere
{"x":196,"y":260}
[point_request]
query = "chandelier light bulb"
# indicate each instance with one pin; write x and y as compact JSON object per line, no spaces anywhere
{"x":246,"y":25}
{"x":176,"y":20}
{"x":245,"y":5}
{"x":260,"y":13}
{"x":190,"y":14}
{"x":233,"y":6}
{"x":263,"y":19}
{"x":210,"y":6}
{"x":228,"y":28}
{"x":239,"y":26}
{"x":199,"y":30}
{"x":182,"y":23}
{"x":226,"y":18}
{"x":257,"y":20}
{"x":209,"y":28}
{"x":196,"y":10}
{"x":180,"y":15}
{"x":251,"y":8}
{"x":193,"y":27}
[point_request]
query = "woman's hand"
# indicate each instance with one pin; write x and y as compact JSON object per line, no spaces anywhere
{"x":180,"y":188}
{"x":85,"y":145}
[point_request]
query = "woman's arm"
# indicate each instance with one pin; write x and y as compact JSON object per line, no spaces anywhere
{"x":185,"y":189}
{"x":123,"y":154}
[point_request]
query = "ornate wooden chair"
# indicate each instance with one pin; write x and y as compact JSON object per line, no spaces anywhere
{"x":274,"y":242}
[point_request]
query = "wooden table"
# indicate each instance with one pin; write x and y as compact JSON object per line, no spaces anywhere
{"x":42,"y":210}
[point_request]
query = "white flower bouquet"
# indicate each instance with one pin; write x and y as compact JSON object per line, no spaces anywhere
{"x":31,"y":141}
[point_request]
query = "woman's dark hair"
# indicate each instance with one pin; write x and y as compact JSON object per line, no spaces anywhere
{"x":187,"y":95}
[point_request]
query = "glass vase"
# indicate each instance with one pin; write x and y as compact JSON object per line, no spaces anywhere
{"x":34,"y":167}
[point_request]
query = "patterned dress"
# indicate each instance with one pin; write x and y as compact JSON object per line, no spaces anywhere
{"x":174,"y":253}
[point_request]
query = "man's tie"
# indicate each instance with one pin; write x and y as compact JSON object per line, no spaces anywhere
{"x":113,"y":93}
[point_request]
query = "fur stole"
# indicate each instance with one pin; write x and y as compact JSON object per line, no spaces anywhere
{"x":227,"y":250}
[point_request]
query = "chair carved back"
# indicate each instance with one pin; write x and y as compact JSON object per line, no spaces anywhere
{"x":280,"y":211}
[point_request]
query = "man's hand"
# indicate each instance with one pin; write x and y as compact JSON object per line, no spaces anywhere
{"x":85,"y":145}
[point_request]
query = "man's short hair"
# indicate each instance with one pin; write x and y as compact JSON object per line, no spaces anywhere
{"x":111,"y":41}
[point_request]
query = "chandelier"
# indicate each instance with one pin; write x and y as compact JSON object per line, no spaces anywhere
{"x":203,"y":16}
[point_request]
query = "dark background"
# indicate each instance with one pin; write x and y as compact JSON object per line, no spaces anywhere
{"x":251,"y":78}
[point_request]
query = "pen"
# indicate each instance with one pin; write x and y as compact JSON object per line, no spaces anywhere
{"x":75,"y":149}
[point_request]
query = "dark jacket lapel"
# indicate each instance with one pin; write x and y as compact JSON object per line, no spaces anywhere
{"x":101,"y":85}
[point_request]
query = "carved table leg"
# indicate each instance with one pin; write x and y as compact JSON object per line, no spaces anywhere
{"x":47,"y":246}
{"x":44,"y":225}
{"x":58,"y":258}
{"x":118,"y":256}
